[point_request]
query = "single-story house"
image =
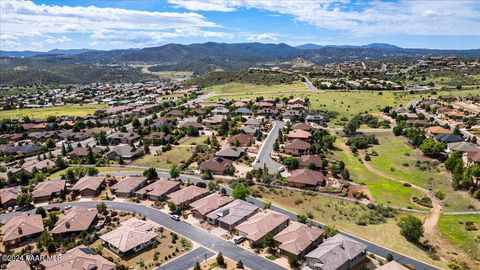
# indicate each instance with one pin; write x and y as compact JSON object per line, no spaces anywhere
{"x":297,"y":147}
{"x":82,"y":152}
{"x":203,"y":206}
{"x":243,"y":111}
{"x":303,"y":178}
{"x":261,"y":224}
{"x":252,"y":122}
{"x":128,"y":185}
{"x":232,"y":214}
{"x":132,"y":236}
{"x":249,"y":130}
{"x":299,"y":134}
{"x":214,"y":120}
{"x":217,"y":165}
{"x":302,"y":126}
{"x":337,"y":252}
{"x":158,"y":190}
{"x":436,"y":130}
{"x":80,"y":257}
{"x":231,"y":152}
{"x":8,"y":196}
{"x":20,"y":228}
{"x":298,"y":239}
{"x":448,"y":138}
{"x":127,"y":152}
{"x":306,"y":161}
{"x":47,"y":190}
{"x":318,"y":119}
{"x":75,"y":220}
{"x":124,"y":137}
{"x":88,"y":186}
{"x":185,"y":196}
{"x":242,"y":139}
{"x":462,"y":147}
{"x":392,"y":265}
{"x":220,"y":111}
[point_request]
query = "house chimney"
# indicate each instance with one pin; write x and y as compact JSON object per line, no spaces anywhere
{"x":20,"y":231}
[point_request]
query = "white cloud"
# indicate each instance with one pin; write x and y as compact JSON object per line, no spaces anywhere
{"x":365,"y":18}
{"x":263,"y":37}
{"x":44,"y":23}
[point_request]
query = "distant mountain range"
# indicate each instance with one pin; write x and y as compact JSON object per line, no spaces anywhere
{"x":206,"y":57}
{"x":33,"y":53}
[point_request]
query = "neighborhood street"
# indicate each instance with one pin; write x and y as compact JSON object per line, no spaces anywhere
{"x":263,"y":156}
{"x":188,"y":260}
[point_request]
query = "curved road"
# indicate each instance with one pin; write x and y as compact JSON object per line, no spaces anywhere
{"x":230,"y":250}
{"x":263,"y":157}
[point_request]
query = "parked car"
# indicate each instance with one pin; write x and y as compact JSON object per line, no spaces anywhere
{"x":68,"y":207}
{"x":201,"y":185}
{"x":54,"y":209}
{"x":175,"y":217}
{"x":238,"y":239}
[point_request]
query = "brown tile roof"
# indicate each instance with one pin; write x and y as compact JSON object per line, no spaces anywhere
{"x":158,"y":188}
{"x":306,"y":160}
{"x":306,"y":176}
{"x":393,"y":265}
{"x":18,"y":265}
{"x":77,"y":219}
{"x":185,"y":194}
{"x":297,"y":237}
{"x":79,"y":258}
{"x":215,"y":164}
{"x":474,"y":156}
{"x":49,"y":187}
{"x":128,"y":184}
{"x":302,"y":126}
{"x":88,"y":183}
{"x":210,"y":203}
{"x":21,"y":226}
{"x":259,"y":225}
{"x":8,"y":194}
{"x":299,"y":134}
{"x":438,"y":130}
{"x":297,"y":145}
{"x":130,"y":234}
{"x":243,"y":139}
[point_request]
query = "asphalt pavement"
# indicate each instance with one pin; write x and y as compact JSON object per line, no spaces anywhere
{"x":263,"y":157}
{"x":188,"y":260}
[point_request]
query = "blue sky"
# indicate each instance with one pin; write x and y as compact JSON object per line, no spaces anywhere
{"x":48,"y":24}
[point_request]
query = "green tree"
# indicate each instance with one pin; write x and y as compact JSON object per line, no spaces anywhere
{"x":50,"y":143}
{"x":302,"y":219}
{"x":135,"y":122}
{"x":24,"y":199}
{"x":240,"y":265}
{"x":220,"y":260}
{"x":41,"y":211}
{"x":269,"y":241}
{"x":411,"y":228}
{"x":212,"y":186}
{"x":101,"y":207}
{"x":389,"y":257}
{"x":172,"y":206}
{"x":150,"y":173}
{"x":431,"y":147}
{"x":240,"y":191}
{"x":293,"y":261}
{"x":197,"y":266}
{"x":174,"y":171}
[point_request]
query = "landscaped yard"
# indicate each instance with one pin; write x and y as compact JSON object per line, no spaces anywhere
{"x":398,"y":160}
{"x":100,"y":169}
{"x":454,"y":228}
{"x":383,"y":190}
{"x":165,"y":160}
{"x":67,"y":110}
{"x":344,"y":215}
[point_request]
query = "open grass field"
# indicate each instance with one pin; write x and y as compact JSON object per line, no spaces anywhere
{"x":193,"y":140}
{"x":383,"y":190}
{"x":343,"y":216}
{"x":455,"y":230}
{"x":67,"y":110}
{"x":398,"y":160}
{"x":180,"y":75}
{"x":100,"y":169}
{"x":177,"y":155}
{"x":239,"y":89}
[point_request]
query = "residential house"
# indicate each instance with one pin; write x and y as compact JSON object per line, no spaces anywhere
{"x":257,"y":227}
{"x":18,"y":265}
{"x":124,"y":137}
{"x":298,"y":239}
{"x":462,"y":147}
{"x":44,"y":165}
{"x":47,"y":190}
{"x":337,"y":253}
{"x":8,"y":196}
{"x":302,"y":126}
{"x":231,"y":152}
{"x":249,"y":130}
{"x":88,"y":186}
{"x":299,"y":134}
{"x":214,"y":120}
{"x":263,"y":104}
{"x":217,"y":165}
{"x":78,"y":258}
{"x":128,"y":185}
{"x":297,"y":147}
{"x":256,"y":123}
{"x":183,"y":197}
{"x":220,"y":111}
{"x":471,"y":158}
{"x":305,"y":178}
{"x":308,"y":161}
{"x":158,"y":190}
{"x":75,"y":220}
{"x":202,"y":207}
{"x":267,"y":112}
{"x":436,"y":130}
{"x":318,"y":119}
{"x":292,"y":115}
{"x":297,"y":101}
{"x":242,"y":140}
{"x":392,"y":265}
{"x":174,"y":113}
{"x":127,"y":152}
{"x":448,"y":138}
{"x":232,"y":214}
{"x":189,"y":123}
{"x":17,"y":229}
{"x":243,"y":111}
{"x":131,"y":237}
{"x":81,"y":152}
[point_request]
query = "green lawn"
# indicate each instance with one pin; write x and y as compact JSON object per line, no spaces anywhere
{"x":454,"y":229}
{"x":193,"y":140}
{"x":67,"y":110}
{"x":177,"y":155}
{"x":100,"y":169}
{"x":383,"y":190}
{"x":397,"y":160}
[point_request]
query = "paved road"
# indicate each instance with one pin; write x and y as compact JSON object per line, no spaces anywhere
{"x":188,"y":261}
{"x":310,"y":86}
{"x":229,"y":249}
{"x":263,"y":156}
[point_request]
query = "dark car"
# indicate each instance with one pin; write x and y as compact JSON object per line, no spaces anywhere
{"x":54,"y":209}
{"x":201,"y":185}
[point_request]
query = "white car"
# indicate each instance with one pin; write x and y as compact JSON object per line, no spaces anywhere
{"x":175,"y":217}
{"x":238,"y":239}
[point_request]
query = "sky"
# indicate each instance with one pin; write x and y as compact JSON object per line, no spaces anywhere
{"x":42,"y":25}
